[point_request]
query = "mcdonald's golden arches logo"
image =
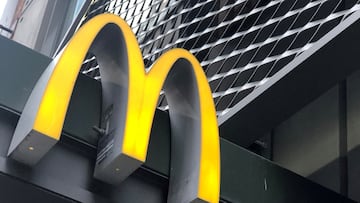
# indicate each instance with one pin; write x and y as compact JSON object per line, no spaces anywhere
{"x":130,"y":97}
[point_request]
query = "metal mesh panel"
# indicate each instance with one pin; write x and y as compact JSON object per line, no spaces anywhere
{"x":240,"y":43}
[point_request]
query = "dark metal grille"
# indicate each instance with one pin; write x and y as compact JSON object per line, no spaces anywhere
{"x":240,"y":43}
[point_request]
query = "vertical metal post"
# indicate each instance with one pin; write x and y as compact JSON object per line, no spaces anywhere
{"x":343,"y":159}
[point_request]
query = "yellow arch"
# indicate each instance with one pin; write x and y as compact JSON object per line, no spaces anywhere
{"x":143,"y":91}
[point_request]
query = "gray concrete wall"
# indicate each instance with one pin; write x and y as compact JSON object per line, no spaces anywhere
{"x":7,"y":17}
{"x":44,"y":23}
{"x":30,"y":22}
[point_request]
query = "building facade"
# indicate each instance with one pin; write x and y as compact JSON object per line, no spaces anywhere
{"x":284,"y":80}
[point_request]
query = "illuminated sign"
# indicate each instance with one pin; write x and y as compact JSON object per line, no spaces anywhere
{"x":130,"y":96}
